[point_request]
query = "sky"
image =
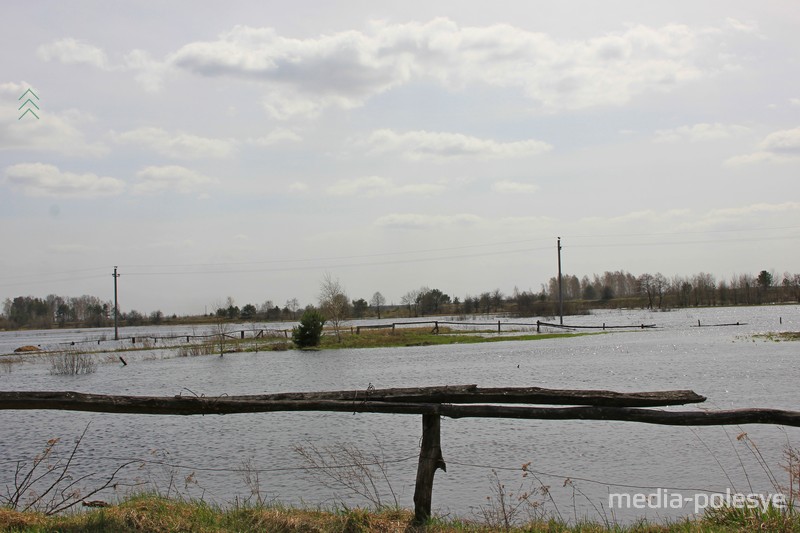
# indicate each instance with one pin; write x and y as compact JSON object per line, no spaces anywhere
{"x":246,"y":149}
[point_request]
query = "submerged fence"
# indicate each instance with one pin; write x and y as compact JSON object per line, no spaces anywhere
{"x":432,"y":403}
{"x":215,"y":333}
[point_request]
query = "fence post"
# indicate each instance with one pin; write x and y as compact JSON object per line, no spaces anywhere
{"x":498,"y":326}
{"x":538,"y":324}
{"x":393,"y":328}
{"x":430,"y":459}
{"x":242,"y":334}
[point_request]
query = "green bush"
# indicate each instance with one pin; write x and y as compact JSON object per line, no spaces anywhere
{"x":308,"y":333}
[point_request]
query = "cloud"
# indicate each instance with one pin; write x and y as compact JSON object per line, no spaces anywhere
{"x":700,"y":132}
{"x":535,"y":222}
{"x":52,"y":132}
{"x":39,"y":179}
{"x":420,"y":221}
{"x":304,"y":76}
{"x":782,"y":142}
{"x":753,"y":215}
{"x":749,"y":26}
{"x":71,"y":51}
{"x":148,"y":72}
{"x":175,"y":178}
{"x":13,"y":90}
{"x":179,"y":145}
{"x":274,"y":137}
{"x":682,"y":221}
{"x":777,"y":147}
{"x":514,"y":187}
{"x":377,"y":186}
{"x":442,"y":145}
{"x":298,"y":187}
{"x":794,"y":101}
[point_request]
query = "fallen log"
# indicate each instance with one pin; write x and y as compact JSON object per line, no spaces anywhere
{"x":465,"y":394}
{"x":186,"y":405}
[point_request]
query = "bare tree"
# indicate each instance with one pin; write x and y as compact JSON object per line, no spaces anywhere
{"x":333,"y":302}
{"x":377,"y":301}
{"x":293,"y":305}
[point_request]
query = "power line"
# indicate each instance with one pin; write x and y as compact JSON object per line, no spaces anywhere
{"x":344,"y":265}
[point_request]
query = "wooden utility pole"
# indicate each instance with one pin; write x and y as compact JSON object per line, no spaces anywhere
{"x":116,"y":306}
{"x":560,"y":293}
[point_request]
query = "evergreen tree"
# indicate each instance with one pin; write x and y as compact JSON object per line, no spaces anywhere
{"x":308,"y":333}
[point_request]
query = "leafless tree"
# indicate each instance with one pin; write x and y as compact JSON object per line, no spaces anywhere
{"x":377,"y":301}
{"x":333,"y":302}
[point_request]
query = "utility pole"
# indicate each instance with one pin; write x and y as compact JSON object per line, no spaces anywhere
{"x":560,"y":294}
{"x":116,"y":306}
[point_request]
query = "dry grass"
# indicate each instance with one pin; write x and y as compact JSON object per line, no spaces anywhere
{"x":161,"y":515}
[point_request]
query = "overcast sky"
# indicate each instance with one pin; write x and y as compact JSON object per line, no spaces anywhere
{"x":244,"y":149}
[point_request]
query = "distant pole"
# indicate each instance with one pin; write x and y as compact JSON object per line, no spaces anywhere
{"x":560,"y":294}
{"x":116,"y":306}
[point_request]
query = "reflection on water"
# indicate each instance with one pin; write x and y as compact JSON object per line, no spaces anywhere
{"x":725,"y":364}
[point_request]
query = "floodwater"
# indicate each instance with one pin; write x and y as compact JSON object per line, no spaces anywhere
{"x":581,"y":461}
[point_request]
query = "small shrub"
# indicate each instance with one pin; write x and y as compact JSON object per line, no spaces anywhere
{"x":195,"y":349}
{"x":309,"y":332}
{"x":71,"y":363}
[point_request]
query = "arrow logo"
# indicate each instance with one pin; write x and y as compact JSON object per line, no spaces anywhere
{"x":26,"y":102}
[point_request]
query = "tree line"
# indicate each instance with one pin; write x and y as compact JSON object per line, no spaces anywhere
{"x":610,"y":289}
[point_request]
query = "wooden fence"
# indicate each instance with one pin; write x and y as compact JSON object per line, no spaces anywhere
{"x":432,"y":403}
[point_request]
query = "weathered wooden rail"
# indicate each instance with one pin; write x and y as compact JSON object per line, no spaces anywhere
{"x":432,"y":403}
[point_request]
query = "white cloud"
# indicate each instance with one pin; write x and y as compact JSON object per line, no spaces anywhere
{"x":298,"y":187}
{"x":377,"y":186}
{"x":777,"y":147}
{"x":156,"y":179}
{"x":274,"y":137}
{"x":700,"y":132}
{"x":148,"y":72}
{"x":752,"y":215}
{"x":514,"y":187}
{"x":534,"y":222}
{"x":39,"y":179}
{"x":51,"y":132}
{"x":421,"y":221}
{"x":13,"y":90}
{"x":782,"y":142}
{"x":749,"y":26}
{"x":304,"y":76}
{"x":443,"y":145}
{"x":794,"y":101}
{"x":628,"y":218}
{"x":73,"y":51}
{"x":178,"y":145}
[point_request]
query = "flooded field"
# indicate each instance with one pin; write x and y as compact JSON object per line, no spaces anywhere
{"x":582,"y":462}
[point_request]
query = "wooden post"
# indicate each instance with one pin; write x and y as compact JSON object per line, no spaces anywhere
{"x":498,"y":326}
{"x":392,"y":328}
{"x":538,"y":324}
{"x":430,"y":458}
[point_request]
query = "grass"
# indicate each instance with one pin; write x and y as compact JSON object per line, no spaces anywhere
{"x":780,"y":336}
{"x":152,"y":513}
{"x":383,"y":338}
